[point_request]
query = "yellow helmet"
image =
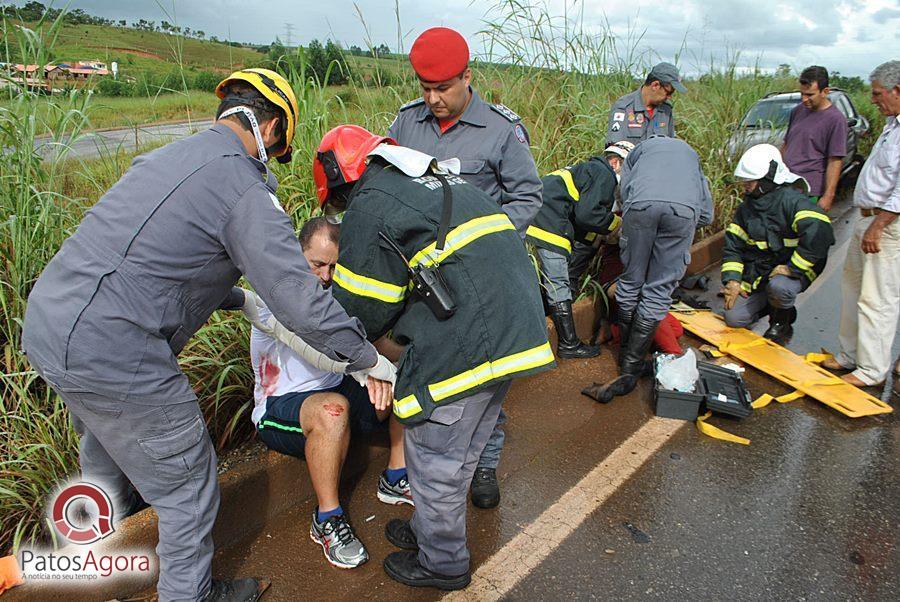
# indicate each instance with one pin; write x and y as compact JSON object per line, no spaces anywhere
{"x":276,"y":89}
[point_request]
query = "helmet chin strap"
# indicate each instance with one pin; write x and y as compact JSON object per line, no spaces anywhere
{"x":254,"y":125}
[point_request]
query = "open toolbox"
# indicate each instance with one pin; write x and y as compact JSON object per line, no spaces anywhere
{"x":718,"y":389}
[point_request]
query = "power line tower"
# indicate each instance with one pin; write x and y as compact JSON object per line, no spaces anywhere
{"x":288,"y":33}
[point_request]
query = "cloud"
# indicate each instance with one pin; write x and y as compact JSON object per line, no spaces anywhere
{"x":886,"y":14}
{"x":847,"y":35}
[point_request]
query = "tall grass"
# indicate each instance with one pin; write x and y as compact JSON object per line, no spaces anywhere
{"x":558,"y":75}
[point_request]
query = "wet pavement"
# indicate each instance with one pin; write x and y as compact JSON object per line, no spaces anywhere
{"x":806,"y":511}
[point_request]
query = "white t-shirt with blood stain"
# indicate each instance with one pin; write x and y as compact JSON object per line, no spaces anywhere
{"x":277,"y":370}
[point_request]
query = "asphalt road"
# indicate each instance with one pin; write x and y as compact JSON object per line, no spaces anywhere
{"x":807,"y":511}
{"x":99,"y":143}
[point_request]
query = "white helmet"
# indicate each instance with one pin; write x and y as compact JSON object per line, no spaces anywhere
{"x":621,"y":148}
{"x":756,"y":164}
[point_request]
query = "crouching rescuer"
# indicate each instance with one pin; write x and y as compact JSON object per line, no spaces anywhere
{"x":147,"y":266}
{"x":776,"y":245}
{"x":665,"y":196}
{"x":578,"y":205}
{"x":433,"y":261}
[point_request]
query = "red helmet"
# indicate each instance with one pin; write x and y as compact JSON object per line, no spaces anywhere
{"x":341,"y":157}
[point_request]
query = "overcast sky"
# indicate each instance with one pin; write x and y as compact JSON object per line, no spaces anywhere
{"x":850,"y":36}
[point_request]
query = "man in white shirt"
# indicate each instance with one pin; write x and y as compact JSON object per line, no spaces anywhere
{"x":871,"y":284}
{"x":303,"y":411}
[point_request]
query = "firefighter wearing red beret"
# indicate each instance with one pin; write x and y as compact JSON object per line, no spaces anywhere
{"x":449,"y":121}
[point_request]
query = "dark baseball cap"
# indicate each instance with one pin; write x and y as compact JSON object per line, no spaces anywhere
{"x":667,"y":73}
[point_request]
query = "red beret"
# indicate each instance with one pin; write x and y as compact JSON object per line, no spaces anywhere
{"x":439,"y":54}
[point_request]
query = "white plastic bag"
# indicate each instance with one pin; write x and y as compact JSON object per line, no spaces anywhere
{"x":678,"y":373}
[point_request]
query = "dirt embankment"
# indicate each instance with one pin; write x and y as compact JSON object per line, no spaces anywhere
{"x":141,"y":53}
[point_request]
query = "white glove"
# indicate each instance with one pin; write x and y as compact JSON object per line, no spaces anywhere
{"x":382,"y":370}
{"x":251,"y":311}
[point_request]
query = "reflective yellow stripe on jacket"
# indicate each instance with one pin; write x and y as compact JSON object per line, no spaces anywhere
{"x":803,"y":265}
{"x":470,"y":379}
{"x":406,"y":407}
{"x":549,"y":237}
{"x":742,"y":234}
{"x":488,"y":371}
{"x":566,"y":176}
{"x":733,"y":266}
{"x":616,"y":222}
{"x":807,"y":214}
{"x":461,"y":236}
{"x":364,"y":286}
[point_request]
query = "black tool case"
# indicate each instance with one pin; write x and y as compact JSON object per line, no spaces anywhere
{"x":718,"y":389}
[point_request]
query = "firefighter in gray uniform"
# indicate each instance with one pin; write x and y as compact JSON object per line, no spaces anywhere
{"x":431,"y":258}
{"x":665,"y":196}
{"x":149,"y":263}
{"x":634,"y":117}
{"x":492,"y":144}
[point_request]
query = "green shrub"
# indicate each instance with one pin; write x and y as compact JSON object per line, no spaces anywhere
{"x":206,"y":81}
{"x":107,"y":86}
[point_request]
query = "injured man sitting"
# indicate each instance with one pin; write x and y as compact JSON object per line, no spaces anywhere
{"x":306,"y":407}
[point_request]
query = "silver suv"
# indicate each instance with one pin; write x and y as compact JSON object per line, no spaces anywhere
{"x":767,"y":122}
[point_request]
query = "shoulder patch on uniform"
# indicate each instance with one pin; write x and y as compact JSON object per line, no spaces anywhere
{"x":508,"y":113}
{"x":413,"y":103}
{"x":520,"y":133}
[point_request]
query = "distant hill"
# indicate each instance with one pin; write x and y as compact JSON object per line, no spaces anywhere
{"x":141,"y":51}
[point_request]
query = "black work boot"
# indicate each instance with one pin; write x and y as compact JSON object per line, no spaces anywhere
{"x":632,"y":362}
{"x":406,"y":568}
{"x":485,"y":490}
{"x":781,"y":325}
{"x":570,"y":346}
{"x":623,"y":320}
{"x":238,"y":590}
{"x":399,"y":533}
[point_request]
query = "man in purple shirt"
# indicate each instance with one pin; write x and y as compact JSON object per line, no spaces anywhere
{"x":816,"y":139}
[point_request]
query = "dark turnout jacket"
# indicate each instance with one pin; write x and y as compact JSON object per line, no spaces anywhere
{"x":156,"y":255}
{"x":578,"y":201}
{"x":782,"y":227}
{"x":498,"y":331}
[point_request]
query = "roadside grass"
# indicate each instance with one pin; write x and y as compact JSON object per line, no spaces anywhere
{"x":559,"y":79}
{"x":115,"y":112}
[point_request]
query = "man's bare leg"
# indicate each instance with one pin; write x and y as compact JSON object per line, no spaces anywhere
{"x":324,"y":418}
{"x":396,"y":459}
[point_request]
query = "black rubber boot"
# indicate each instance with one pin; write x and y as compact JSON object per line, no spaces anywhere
{"x":781,"y":327}
{"x":485,"y":489}
{"x":570,"y":346}
{"x":632,"y":362}
{"x":623,"y":320}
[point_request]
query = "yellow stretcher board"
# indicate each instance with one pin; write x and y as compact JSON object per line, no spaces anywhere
{"x":778,"y":362}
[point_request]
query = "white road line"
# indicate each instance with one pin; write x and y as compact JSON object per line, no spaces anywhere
{"x":509,"y":565}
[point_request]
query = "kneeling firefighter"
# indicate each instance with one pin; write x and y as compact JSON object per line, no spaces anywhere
{"x":578,"y":205}
{"x":433,"y":260}
{"x":775,"y":246}
{"x":147,"y":266}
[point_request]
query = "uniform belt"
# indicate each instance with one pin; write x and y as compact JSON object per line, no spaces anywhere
{"x":869,"y":212}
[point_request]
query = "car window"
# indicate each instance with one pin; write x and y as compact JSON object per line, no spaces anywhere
{"x":840,"y":101}
{"x":769,"y":113}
